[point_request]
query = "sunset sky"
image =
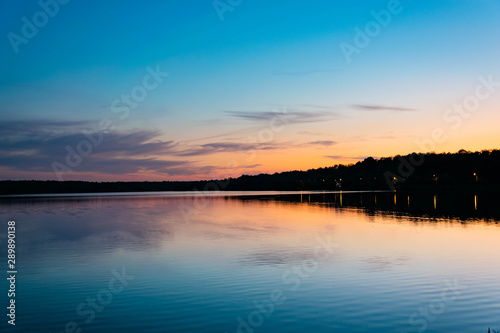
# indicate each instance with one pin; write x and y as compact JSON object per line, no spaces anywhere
{"x":180,"y":90}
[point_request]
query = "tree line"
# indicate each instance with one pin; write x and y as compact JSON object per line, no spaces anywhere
{"x":460,"y":171}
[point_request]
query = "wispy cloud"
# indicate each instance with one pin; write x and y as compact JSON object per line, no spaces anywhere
{"x":212,"y":148}
{"x":317,"y":106}
{"x":234,"y":147}
{"x":325,"y":143}
{"x":228,"y":147}
{"x":34,"y":145}
{"x":41,"y":125}
{"x":290,"y":116}
{"x":312,"y":133}
{"x":30,"y":146}
{"x":92,"y":163}
{"x":369,"y":107}
{"x":52,"y":144}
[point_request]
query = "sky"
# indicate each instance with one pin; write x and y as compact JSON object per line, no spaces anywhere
{"x":185,"y":90}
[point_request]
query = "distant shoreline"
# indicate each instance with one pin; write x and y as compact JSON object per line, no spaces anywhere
{"x":183,"y":193}
{"x":461,"y":172}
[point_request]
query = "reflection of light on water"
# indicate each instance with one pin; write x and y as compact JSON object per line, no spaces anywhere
{"x":435,"y":202}
{"x":408,"y":201}
{"x":256,"y":236}
{"x":340,"y":198}
{"x":375,"y":199}
{"x":300,"y":196}
{"x":475,"y":202}
{"x":395,"y":200}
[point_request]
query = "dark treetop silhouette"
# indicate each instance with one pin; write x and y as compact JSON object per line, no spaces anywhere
{"x":460,"y":171}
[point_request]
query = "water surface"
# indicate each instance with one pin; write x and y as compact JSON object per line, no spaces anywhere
{"x":280,"y":262}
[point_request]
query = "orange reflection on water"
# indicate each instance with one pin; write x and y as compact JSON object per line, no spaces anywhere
{"x":232,"y":224}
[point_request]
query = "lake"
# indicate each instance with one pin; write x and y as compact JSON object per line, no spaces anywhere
{"x":254,"y":262}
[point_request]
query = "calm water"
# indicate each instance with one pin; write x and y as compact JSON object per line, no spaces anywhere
{"x":356,"y":262}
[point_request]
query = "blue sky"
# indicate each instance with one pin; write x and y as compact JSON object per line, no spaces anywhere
{"x":224,"y":75}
